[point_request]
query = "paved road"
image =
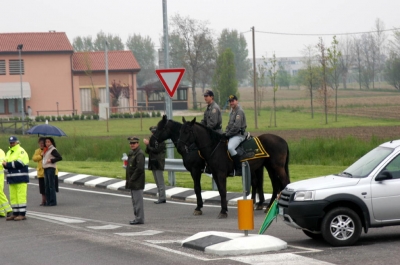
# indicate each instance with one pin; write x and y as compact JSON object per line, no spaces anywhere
{"x":90,"y":226}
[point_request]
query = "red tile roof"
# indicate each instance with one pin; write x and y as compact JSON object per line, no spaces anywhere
{"x":35,"y":42}
{"x":117,"y":60}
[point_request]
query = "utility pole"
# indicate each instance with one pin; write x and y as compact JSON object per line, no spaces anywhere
{"x":168,"y":100}
{"x":255,"y":79}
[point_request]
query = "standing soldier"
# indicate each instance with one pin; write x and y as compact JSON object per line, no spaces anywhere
{"x":17,"y":173}
{"x":135,"y":179}
{"x":156,"y":153}
{"x":235,"y":131}
{"x":5,"y":208}
{"x":212,"y":115}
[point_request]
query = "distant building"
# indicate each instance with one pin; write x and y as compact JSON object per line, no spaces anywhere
{"x":291,"y":64}
{"x":55,"y":79}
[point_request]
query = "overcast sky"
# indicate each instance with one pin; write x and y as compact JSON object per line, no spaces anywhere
{"x":126,"y":17}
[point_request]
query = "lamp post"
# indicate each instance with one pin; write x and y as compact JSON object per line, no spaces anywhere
{"x":107,"y":88}
{"x":19,"y":48}
{"x":57,"y":110}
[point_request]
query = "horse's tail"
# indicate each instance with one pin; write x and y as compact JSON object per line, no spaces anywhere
{"x":287,"y":164}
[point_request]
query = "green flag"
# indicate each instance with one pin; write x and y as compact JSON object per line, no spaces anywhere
{"x":271,"y":215}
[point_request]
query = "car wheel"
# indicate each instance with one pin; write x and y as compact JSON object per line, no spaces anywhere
{"x":341,"y":227}
{"x":312,"y":235}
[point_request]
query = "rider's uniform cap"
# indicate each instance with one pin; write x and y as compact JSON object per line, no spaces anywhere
{"x":209,"y":93}
{"x":232,"y":98}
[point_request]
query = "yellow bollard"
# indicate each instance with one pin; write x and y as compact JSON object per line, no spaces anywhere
{"x":245,"y":215}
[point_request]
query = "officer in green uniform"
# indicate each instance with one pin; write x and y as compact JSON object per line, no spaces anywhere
{"x":212,"y":115}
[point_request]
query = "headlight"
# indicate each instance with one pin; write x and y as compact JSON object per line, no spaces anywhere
{"x":304,"y":195}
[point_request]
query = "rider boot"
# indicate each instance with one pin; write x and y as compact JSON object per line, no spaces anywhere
{"x":237,"y":164}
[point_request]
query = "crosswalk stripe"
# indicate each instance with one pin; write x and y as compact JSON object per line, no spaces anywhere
{"x":279,"y":259}
{"x":142,"y":233}
{"x":104,"y":227}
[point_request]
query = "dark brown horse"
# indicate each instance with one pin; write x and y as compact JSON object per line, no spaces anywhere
{"x":169,"y":129}
{"x":213,"y":148}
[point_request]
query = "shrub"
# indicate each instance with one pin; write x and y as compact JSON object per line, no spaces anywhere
{"x":136,"y":115}
{"x":96,"y":116}
{"x":65,"y":118}
{"x":48,"y":118}
{"x":82,"y":117}
{"x":88,"y":117}
{"x":37,"y":118}
{"x":127,"y":115}
{"x":53,"y":118}
{"x":153,"y":114}
{"x":42,"y":118}
{"x":76,"y":117}
{"x":158,"y":114}
{"x":59,"y":118}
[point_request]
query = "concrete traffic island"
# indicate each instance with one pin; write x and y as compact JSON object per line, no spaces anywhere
{"x":224,"y":244}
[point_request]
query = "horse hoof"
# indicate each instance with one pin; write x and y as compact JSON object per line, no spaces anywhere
{"x":259,"y":207}
{"x":266,"y":210}
{"x":222,"y":216}
{"x":196,"y":212}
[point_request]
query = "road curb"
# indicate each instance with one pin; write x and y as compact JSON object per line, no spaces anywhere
{"x":150,"y":190}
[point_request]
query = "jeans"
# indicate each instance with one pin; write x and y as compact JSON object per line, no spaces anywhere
{"x":50,"y":189}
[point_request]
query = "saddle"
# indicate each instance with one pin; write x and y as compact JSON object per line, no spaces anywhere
{"x":251,"y":148}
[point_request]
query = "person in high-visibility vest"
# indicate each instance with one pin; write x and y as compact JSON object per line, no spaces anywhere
{"x":16,"y":165}
{"x":5,"y":208}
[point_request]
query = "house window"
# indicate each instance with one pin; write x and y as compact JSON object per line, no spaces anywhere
{"x":2,"y":67}
{"x":10,"y":106}
{"x":14,"y":67}
{"x":182,"y":94}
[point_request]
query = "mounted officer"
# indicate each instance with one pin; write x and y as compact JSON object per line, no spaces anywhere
{"x":212,"y":115}
{"x":235,"y":131}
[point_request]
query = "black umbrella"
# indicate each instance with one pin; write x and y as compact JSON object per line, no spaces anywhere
{"x":46,"y":130}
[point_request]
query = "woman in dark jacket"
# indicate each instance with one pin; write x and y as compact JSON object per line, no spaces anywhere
{"x":50,"y":158}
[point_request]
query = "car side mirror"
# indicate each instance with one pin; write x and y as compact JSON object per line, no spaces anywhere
{"x":384,"y":175}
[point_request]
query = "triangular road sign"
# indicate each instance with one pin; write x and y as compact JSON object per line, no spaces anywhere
{"x":170,"y":78}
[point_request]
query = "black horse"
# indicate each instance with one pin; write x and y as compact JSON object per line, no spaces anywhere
{"x":213,"y":148}
{"x":169,"y":129}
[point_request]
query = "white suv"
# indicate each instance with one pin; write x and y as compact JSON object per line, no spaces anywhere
{"x":337,"y":207}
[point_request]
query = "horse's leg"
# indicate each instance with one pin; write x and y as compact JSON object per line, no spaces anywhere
{"x":221,"y":184}
{"x":259,"y":176}
{"x":276,"y":186}
{"x":196,"y":176}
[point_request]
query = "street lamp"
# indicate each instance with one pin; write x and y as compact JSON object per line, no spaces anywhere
{"x":19,"y":48}
{"x":57,"y":110}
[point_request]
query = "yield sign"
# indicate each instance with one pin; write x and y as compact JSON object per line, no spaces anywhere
{"x":170,"y":78}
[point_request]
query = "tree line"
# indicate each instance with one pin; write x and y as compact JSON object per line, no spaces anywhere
{"x":222,"y":63}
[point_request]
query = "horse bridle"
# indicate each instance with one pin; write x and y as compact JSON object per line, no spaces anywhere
{"x":199,"y":147}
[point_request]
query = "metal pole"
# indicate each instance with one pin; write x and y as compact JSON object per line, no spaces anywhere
{"x":107,"y":87}
{"x":57,"y":110}
{"x":246,"y":232}
{"x":168,"y":100}
{"x":255,"y":79}
{"x":19,"y":48}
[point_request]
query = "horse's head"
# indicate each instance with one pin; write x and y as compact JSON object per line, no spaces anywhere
{"x":162,"y":132}
{"x":187,"y":136}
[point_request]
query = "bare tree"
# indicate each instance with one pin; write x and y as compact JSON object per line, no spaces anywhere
{"x":380,"y":39}
{"x":347,"y":59}
{"x":311,"y":76}
{"x":333,"y":72}
{"x":199,"y":47}
{"x":358,"y":58}
{"x":322,"y":59}
{"x":273,"y":73}
{"x":116,"y":90}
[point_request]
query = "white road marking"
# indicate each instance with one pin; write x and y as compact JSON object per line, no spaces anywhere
{"x":94,"y":182}
{"x":279,"y":259}
{"x":57,"y":218}
{"x":204,"y":195}
{"x":142,"y":233}
{"x":117,"y":185}
{"x":104,"y":227}
{"x":149,"y":186}
{"x":71,"y":180}
{"x":60,"y":174}
{"x":175,"y":190}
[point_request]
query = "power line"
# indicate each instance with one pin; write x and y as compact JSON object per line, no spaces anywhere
{"x":324,"y":34}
